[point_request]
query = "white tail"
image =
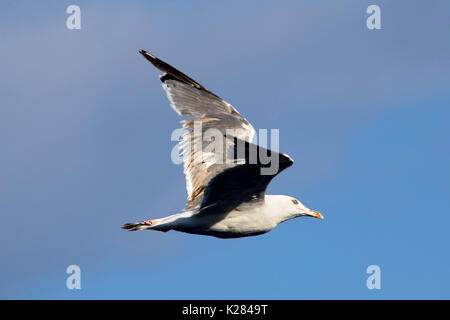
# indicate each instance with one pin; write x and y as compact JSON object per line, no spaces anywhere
{"x":162,"y":224}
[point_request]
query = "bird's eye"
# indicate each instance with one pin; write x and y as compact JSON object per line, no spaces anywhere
{"x":294,"y":201}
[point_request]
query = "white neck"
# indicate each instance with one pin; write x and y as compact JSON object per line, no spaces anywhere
{"x":279,"y":207}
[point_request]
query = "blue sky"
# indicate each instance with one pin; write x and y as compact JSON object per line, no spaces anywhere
{"x":85,"y":143}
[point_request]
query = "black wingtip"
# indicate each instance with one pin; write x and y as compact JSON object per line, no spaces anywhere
{"x":149,"y":57}
{"x":171,"y":73}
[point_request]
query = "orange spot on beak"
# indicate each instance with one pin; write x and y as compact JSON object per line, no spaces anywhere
{"x":316,"y":214}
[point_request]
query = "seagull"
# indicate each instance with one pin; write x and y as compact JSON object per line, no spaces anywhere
{"x":226,"y":199}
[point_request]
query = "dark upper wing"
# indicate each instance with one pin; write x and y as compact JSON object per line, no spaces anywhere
{"x":247,"y":181}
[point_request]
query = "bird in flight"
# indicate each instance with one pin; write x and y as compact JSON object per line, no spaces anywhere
{"x":226,"y":193}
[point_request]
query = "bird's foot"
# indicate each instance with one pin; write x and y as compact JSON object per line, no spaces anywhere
{"x":149,"y":222}
{"x":139,"y":225}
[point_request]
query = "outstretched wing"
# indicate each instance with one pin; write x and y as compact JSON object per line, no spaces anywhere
{"x":208,"y":111}
{"x":248,"y":180}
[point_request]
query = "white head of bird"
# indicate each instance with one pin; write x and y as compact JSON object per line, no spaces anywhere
{"x":286,"y":207}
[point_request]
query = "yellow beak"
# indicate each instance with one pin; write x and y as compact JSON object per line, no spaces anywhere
{"x":316,"y":214}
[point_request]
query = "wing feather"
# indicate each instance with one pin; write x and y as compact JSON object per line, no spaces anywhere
{"x":208,"y":111}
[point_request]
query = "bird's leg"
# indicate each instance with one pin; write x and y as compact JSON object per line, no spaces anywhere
{"x":146,"y":224}
{"x":149,"y":222}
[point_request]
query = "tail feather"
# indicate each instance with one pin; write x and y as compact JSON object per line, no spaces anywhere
{"x":162,"y":224}
{"x":136,"y":226}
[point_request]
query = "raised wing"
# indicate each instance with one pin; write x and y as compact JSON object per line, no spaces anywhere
{"x":189,"y":98}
